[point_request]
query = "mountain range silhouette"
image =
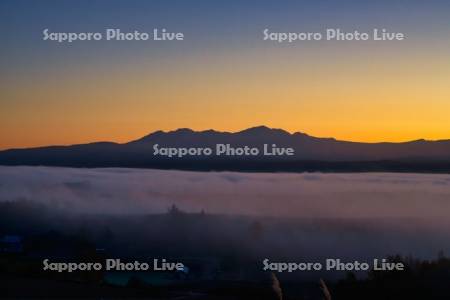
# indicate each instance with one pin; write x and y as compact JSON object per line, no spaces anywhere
{"x":311,"y":153}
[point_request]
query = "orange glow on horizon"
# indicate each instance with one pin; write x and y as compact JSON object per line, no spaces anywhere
{"x":367,"y":98}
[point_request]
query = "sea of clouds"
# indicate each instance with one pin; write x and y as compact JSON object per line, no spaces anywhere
{"x":355,"y":215}
{"x":315,"y":195}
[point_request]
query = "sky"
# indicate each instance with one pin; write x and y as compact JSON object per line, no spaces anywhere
{"x":223,"y":75}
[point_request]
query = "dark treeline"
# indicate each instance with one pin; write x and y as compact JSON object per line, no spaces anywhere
{"x":237,"y":165}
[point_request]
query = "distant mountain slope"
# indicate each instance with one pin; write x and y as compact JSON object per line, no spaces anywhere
{"x":311,"y":153}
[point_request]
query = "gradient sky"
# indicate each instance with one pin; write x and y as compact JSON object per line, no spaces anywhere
{"x":223,"y":76}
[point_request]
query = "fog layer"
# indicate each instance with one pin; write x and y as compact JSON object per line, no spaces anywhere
{"x":314,"y":195}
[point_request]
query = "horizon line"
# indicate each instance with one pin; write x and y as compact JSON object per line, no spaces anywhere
{"x":292,"y":133}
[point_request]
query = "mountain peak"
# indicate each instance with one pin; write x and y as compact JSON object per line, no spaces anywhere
{"x":182,"y":131}
{"x":161,"y":133}
{"x":262,"y":130}
{"x":256,"y":131}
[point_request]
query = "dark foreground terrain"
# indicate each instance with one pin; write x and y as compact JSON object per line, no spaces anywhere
{"x":223,"y":253}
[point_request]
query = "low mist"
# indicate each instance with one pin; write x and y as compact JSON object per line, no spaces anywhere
{"x":307,"y":195}
{"x":247,"y":215}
